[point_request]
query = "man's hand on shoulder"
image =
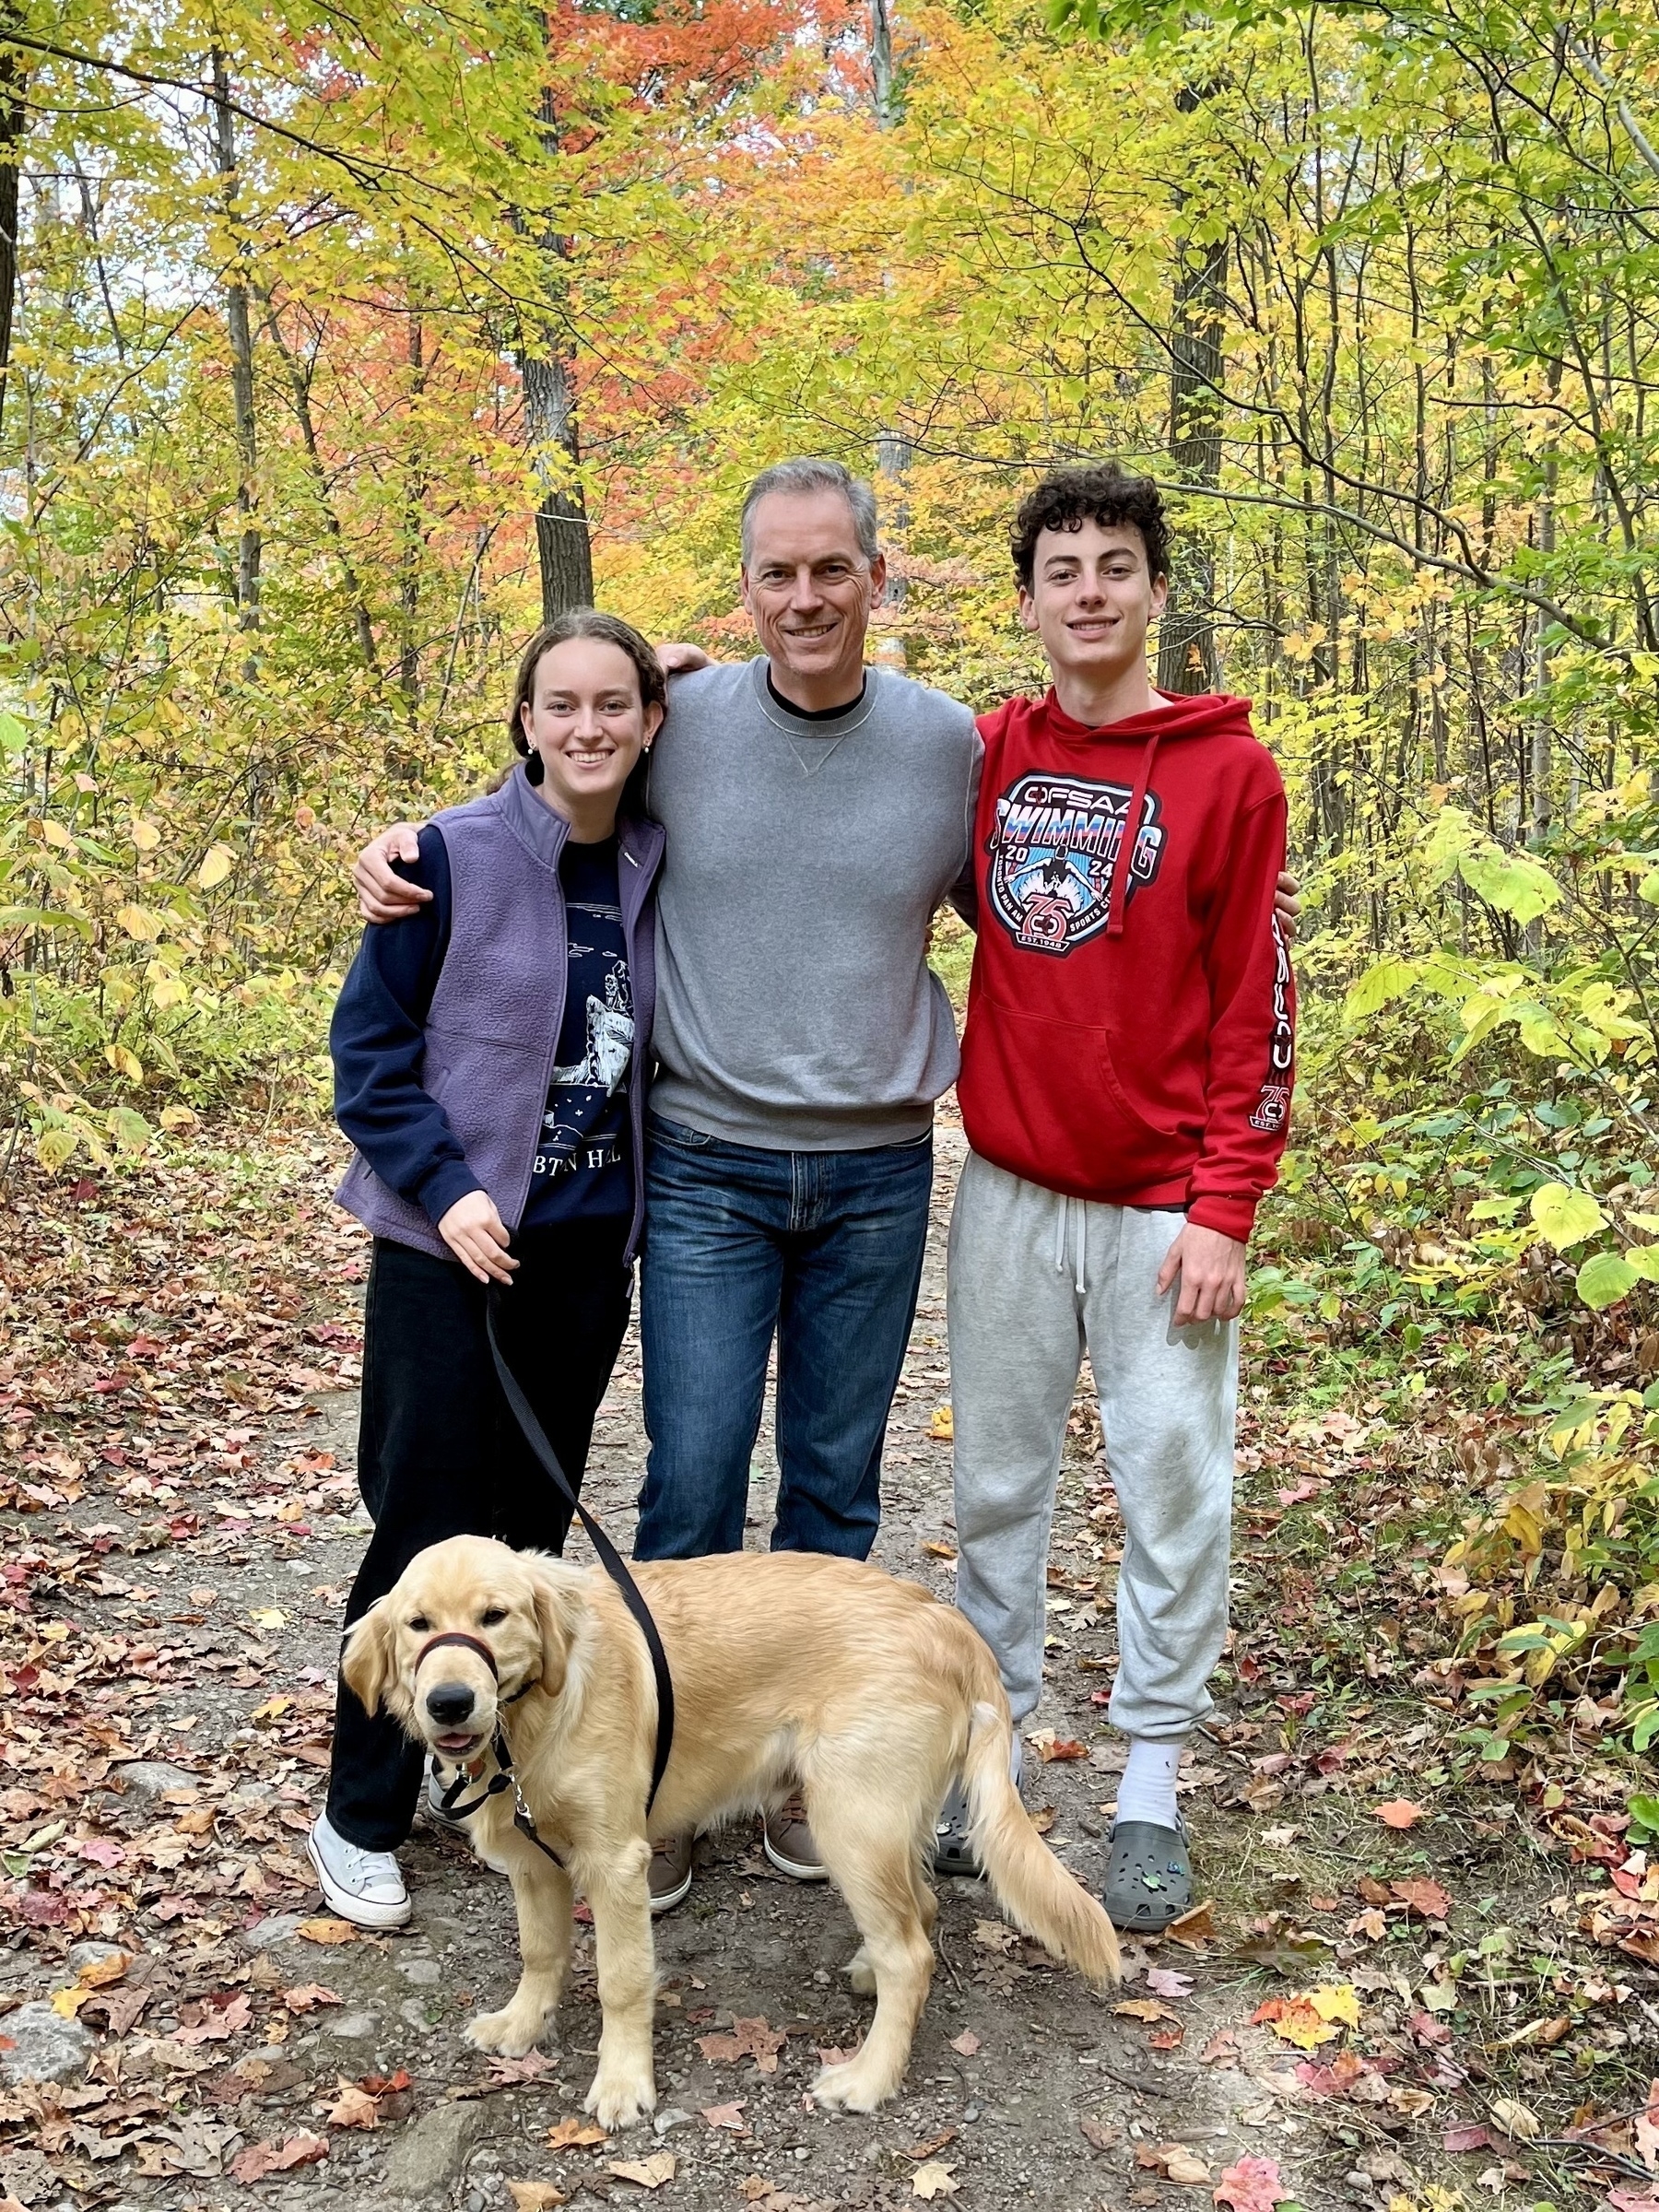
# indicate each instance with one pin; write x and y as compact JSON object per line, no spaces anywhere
{"x":1211,"y":1267}
{"x":681,"y":658}
{"x":381,"y":894}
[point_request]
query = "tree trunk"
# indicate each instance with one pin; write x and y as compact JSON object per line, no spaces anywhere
{"x":12,"y":113}
{"x":546,"y":371}
{"x":561,"y":526}
{"x":300,"y":384}
{"x":1187,"y":660}
{"x":239,"y":327}
{"x":881,"y":61}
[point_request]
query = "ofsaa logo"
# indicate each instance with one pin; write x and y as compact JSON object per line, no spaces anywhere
{"x":1052,"y":855}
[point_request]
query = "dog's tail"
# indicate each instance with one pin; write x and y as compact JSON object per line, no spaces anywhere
{"x":1038,"y":1894}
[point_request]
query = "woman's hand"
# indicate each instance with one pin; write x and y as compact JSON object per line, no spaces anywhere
{"x":381,"y":895}
{"x":476,"y":1235}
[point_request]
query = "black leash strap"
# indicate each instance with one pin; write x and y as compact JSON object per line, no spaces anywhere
{"x":610,"y":1558}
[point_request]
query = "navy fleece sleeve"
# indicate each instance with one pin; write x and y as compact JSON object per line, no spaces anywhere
{"x":377,"y":1040}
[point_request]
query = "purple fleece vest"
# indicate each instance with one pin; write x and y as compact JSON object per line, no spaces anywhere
{"x":492,"y":1032}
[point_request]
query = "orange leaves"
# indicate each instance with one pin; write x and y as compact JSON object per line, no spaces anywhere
{"x":1399,"y":1813}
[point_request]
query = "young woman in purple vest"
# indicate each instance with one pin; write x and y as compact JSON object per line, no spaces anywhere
{"x":490,"y":1068}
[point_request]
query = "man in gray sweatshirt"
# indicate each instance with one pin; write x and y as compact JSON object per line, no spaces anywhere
{"x":816,"y":813}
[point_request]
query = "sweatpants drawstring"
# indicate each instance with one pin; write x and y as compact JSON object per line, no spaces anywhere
{"x":1061,"y":1219}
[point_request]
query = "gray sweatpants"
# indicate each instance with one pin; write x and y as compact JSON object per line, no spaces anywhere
{"x":1034,"y":1277}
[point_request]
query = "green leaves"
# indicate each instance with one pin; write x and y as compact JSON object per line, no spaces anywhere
{"x":1564,"y":1216}
{"x":1605,"y":1279}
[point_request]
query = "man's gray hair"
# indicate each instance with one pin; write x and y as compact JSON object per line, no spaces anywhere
{"x":809,"y":475}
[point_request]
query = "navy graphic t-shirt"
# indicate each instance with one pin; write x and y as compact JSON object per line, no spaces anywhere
{"x":582,"y":1161}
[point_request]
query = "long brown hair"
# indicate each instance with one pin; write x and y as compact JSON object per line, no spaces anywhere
{"x":588,"y":622}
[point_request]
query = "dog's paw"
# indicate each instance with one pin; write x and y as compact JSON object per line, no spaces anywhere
{"x":621,"y":2095}
{"x":851,"y":2088}
{"x":860,"y":1972}
{"x":511,"y":2032}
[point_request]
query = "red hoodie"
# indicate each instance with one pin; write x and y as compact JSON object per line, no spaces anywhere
{"x":1130,"y":1034}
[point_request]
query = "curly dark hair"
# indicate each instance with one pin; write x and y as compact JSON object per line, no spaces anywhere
{"x":1094,"y":491}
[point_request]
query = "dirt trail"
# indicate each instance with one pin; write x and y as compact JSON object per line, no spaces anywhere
{"x":1023,"y":2086}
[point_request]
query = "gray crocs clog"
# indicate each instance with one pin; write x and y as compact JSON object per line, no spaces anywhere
{"x":953,"y":1853}
{"x":1148,"y":1875}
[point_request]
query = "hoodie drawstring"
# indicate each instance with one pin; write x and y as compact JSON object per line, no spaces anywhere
{"x":1061,"y":1219}
{"x":1118,"y":900}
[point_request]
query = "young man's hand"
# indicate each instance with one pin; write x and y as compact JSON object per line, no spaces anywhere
{"x":475,"y":1233}
{"x":1211,"y":1268}
{"x":381,"y":895}
{"x":1287,"y":904}
{"x":679,"y":658}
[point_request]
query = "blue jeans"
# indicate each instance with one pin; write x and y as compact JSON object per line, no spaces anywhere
{"x":822,"y":1248}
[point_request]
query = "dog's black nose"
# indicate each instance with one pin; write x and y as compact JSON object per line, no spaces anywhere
{"x":450,"y":1702}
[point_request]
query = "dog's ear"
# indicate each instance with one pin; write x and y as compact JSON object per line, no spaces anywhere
{"x":557,"y":1606}
{"x":366,"y":1663}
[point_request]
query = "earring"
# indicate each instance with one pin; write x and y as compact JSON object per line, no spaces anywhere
{"x":535,"y":768}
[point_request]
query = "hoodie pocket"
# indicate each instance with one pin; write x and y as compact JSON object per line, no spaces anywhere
{"x":1046,"y":1100}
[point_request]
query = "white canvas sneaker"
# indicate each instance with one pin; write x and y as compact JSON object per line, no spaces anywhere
{"x":363,"y":1887}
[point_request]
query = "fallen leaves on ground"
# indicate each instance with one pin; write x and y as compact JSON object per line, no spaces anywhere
{"x":1144,"y":2008}
{"x":535,"y":2196}
{"x":1163,"y":1982}
{"x":573,"y":2135}
{"x":1051,"y":1748}
{"x":748,"y":2039}
{"x":1194,"y":1927}
{"x":1174,"y":2161}
{"x":1098,"y":2135}
{"x":1423,"y":1897}
{"x":326,"y":1931}
{"x":967,"y":2043}
{"x":650,"y":2174}
{"x":934,"y":2180}
{"x":352,"y":2107}
{"x":262,"y":2158}
{"x":1318,"y":2016}
{"x":726,"y":2115}
{"x":1251,"y":2186}
{"x":1515,"y":2120}
{"x":1399,"y":1812}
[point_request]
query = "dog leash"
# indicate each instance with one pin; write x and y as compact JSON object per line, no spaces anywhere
{"x":610,"y":1558}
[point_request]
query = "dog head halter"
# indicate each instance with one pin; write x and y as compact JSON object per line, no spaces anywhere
{"x":471,"y":1771}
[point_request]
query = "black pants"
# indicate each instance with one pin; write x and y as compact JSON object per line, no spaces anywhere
{"x":439,"y":1453}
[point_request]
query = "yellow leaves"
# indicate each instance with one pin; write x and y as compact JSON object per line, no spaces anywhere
{"x":942,"y":1427}
{"x":1564,"y":1216}
{"x":326,"y":1931}
{"x":55,"y":834}
{"x":98,"y":1973}
{"x":55,"y":1148}
{"x":1318,"y":2016}
{"x":125,"y":1062}
{"x":145,"y":835}
{"x":217,"y":866}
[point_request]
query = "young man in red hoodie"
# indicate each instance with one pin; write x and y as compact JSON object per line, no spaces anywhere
{"x":1125,"y":1089}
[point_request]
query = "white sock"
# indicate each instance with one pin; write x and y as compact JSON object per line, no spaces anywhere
{"x":1148,"y":1789}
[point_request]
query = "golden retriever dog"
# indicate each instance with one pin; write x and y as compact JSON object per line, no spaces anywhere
{"x":788,"y":1667}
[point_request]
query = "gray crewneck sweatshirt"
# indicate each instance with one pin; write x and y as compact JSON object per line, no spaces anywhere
{"x":795,"y":1010}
